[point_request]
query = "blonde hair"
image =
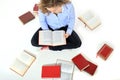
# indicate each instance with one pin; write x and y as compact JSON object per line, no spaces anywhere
{"x":51,"y":3}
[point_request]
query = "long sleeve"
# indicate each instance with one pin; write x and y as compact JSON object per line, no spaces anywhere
{"x":71,"y":22}
{"x":42,"y":20}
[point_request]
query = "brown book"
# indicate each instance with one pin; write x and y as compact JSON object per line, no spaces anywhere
{"x":26,"y":17}
{"x":80,"y":62}
{"x":105,"y":51}
{"x":91,"y":69}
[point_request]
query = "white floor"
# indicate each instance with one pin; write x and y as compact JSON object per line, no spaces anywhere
{"x":16,"y":37}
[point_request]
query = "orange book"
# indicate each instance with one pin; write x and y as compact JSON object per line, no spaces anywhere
{"x":51,"y":71}
{"x":26,"y":17}
{"x":105,"y":51}
{"x":91,"y":69}
{"x":80,"y":62}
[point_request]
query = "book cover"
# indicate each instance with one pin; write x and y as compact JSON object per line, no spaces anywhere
{"x":91,"y":69}
{"x":105,"y":51}
{"x":51,"y":71}
{"x":35,"y":8}
{"x":80,"y":62}
{"x":26,"y":17}
{"x":22,"y":62}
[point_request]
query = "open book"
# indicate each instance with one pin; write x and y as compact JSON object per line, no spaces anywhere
{"x":67,"y":69}
{"x":23,"y":62}
{"x":52,"y":38}
{"x":90,"y":19}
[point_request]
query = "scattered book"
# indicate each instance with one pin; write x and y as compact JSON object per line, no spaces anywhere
{"x":80,"y":62}
{"x":67,"y":69}
{"x":26,"y":17}
{"x":23,"y":62}
{"x":51,"y":71}
{"x":90,"y":19}
{"x":35,"y":8}
{"x":105,"y":51}
{"x":91,"y":69}
{"x":52,"y":38}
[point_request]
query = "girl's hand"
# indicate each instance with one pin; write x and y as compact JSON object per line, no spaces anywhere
{"x":67,"y":35}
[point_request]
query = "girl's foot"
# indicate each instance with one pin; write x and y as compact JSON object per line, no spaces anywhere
{"x":45,"y":48}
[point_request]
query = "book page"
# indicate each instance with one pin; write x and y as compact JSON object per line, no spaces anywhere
{"x":94,"y":22}
{"x":45,"y":37}
{"x":87,"y":15}
{"x":65,"y":76}
{"x":19,"y":67}
{"x":26,"y":58}
{"x":59,"y":37}
{"x":66,"y":66}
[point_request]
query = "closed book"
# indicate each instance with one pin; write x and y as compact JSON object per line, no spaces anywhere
{"x":35,"y":8}
{"x":26,"y":17}
{"x":91,"y":69}
{"x":105,"y":51}
{"x":80,"y":62}
{"x":51,"y":71}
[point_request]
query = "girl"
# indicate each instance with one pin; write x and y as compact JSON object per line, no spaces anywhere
{"x":57,"y":15}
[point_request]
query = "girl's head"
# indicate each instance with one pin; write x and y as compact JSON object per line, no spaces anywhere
{"x":51,"y":5}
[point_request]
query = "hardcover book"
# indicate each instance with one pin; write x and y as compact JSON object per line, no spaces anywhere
{"x":26,"y":17}
{"x":105,"y":51}
{"x":51,"y":71}
{"x":80,"y":62}
{"x":91,"y":69}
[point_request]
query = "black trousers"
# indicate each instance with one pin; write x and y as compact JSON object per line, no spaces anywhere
{"x":73,"y":41}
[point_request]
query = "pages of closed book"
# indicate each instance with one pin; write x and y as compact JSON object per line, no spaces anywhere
{"x":45,"y":37}
{"x":59,"y":37}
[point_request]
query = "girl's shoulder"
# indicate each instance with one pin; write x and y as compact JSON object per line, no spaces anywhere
{"x":68,"y":5}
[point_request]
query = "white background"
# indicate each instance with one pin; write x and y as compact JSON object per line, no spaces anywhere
{"x":15,"y":37}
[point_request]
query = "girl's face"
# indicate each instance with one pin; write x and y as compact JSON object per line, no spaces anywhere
{"x":56,"y":9}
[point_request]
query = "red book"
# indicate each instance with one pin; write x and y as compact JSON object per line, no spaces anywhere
{"x":91,"y":69}
{"x":51,"y":71}
{"x":80,"y":62}
{"x":26,"y":17}
{"x":35,"y":8}
{"x":105,"y":51}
